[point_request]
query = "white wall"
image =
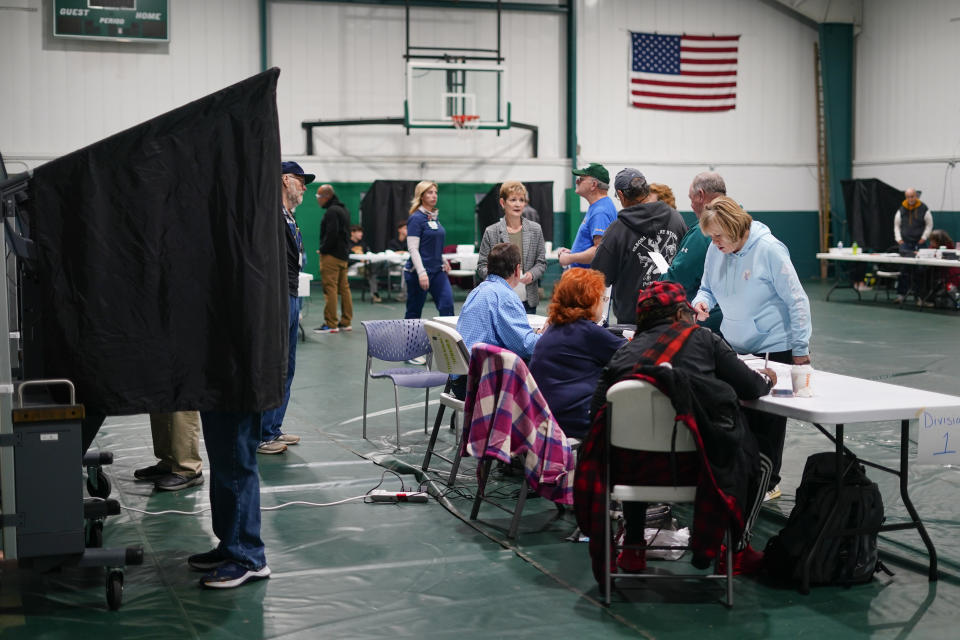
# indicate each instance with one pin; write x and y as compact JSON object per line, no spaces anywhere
{"x":59,"y":95}
{"x":345,"y":60}
{"x":908,"y":98}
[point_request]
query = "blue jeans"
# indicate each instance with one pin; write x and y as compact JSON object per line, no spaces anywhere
{"x":273,"y":418}
{"x":231,"y":439}
{"x":439,"y":289}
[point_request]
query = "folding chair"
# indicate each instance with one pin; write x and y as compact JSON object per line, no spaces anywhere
{"x":642,"y":418}
{"x":548,"y":451}
{"x":399,"y":341}
{"x":450,"y":356}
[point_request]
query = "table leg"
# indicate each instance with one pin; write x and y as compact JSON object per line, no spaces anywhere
{"x":905,"y":496}
{"x":842,"y":280}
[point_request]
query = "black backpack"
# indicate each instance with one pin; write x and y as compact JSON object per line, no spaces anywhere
{"x":839,"y":560}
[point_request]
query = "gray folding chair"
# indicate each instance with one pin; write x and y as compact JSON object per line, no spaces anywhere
{"x":399,"y":341}
{"x":642,"y":418}
{"x":451,"y":357}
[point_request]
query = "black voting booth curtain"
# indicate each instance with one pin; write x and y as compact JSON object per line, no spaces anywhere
{"x":385,"y":205}
{"x":541,"y":199}
{"x":871,"y":205}
{"x":161,"y":277}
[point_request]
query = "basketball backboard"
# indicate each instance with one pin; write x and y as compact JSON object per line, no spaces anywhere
{"x":439,"y":91}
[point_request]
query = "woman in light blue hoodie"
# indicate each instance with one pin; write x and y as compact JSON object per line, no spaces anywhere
{"x":748,"y":272}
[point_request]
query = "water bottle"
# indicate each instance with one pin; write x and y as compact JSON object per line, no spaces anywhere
{"x":855,"y":248}
{"x":840,"y":245}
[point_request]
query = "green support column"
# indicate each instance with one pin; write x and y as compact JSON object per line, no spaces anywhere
{"x":836,"y":68}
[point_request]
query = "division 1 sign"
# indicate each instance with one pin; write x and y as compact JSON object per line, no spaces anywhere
{"x":119,"y":20}
{"x":938,"y":441}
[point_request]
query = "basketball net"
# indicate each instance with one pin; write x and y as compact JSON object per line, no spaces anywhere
{"x":466,"y":122}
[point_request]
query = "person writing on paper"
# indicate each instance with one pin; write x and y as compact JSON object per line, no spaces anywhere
{"x":748,"y":272}
{"x":525,"y":234}
{"x":643,"y":234}
{"x":574,"y":349}
{"x":664,"y":315}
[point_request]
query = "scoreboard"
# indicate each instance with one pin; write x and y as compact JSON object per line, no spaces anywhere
{"x":118,"y":20}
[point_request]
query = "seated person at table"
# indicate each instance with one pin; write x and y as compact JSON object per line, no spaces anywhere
{"x":574,"y":349}
{"x":940,"y":239}
{"x":663,"y":316}
{"x":493,"y":312}
{"x":399,"y":245}
{"x":373,"y":270}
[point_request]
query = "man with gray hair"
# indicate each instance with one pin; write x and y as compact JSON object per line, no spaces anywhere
{"x":593,"y":182}
{"x":687,"y":267}
{"x":641,"y":229}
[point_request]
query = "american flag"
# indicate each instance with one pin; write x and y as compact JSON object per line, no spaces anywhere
{"x":684,"y":72}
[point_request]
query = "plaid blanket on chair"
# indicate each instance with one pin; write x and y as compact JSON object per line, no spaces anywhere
{"x":505,"y":415}
{"x":715,"y":507}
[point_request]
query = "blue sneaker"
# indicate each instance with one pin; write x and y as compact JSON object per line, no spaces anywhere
{"x":327,"y":329}
{"x":206,"y":561}
{"x":230,"y":575}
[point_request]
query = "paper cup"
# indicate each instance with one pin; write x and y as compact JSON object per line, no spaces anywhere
{"x":802,"y":377}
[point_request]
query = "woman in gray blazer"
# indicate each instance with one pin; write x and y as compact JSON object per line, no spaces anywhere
{"x":527,"y":235}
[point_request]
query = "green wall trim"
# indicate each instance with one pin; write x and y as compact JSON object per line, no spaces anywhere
{"x":836,"y":68}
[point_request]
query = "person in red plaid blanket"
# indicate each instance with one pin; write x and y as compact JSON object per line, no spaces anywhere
{"x":667,"y":332}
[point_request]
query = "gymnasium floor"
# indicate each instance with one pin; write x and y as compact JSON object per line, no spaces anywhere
{"x":358,"y":570}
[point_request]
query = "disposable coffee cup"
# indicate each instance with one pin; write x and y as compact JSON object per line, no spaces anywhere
{"x":801,"y":375}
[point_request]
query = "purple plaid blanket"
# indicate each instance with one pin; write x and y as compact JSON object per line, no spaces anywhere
{"x":506,"y":415}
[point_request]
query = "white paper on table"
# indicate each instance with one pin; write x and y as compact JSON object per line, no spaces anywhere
{"x":784,"y":386}
{"x":937,"y":427}
{"x":659,"y":262}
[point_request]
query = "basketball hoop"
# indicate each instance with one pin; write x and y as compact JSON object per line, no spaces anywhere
{"x":465,"y":121}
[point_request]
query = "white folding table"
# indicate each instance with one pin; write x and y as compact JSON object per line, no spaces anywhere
{"x":840,"y":400}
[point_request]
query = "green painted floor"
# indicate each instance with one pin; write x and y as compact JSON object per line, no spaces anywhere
{"x":359,"y":570}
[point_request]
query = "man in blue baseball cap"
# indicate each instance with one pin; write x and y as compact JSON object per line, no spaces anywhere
{"x":593,"y":183}
{"x":294,"y":184}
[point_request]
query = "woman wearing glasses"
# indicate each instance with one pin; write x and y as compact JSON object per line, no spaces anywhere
{"x":574,"y":349}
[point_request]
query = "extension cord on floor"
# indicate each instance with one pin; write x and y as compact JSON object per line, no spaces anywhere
{"x":382,"y":495}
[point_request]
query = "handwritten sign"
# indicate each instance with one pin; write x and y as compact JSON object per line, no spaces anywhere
{"x":939,"y":438}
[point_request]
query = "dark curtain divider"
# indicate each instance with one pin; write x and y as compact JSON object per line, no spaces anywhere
{"x":385,"y":205}
{"x":160,"y":282}
{"x":541,"y":199}
{"x":871,"y":205}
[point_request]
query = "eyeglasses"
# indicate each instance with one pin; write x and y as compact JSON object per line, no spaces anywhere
{"x":300,"y":179}
{"x":582,"y":178}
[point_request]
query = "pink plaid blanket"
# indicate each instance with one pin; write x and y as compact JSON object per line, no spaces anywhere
{"x":505,"y":415}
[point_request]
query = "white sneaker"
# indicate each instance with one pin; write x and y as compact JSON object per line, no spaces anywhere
{"x":773,"y":494}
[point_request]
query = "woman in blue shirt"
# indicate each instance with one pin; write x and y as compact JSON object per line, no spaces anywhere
{"x":574,"y":349}
{"x":426,"y":270}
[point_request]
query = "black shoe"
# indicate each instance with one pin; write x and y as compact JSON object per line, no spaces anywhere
{"x":206,"y":561}
{"x":152,"y":473}
{"x":175,"y":481}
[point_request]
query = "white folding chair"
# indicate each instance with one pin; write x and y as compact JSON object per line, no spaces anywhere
{"x":641,"y":417}
{"x":450,"y":356}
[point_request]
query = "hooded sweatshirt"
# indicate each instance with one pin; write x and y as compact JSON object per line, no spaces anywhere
{"x":624,"y":254}
{"x":765,"y":308}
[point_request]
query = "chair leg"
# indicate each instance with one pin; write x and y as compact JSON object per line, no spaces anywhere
{"x":521,"y":501}
{"x":433,"y":437}
{"x":456,"y":464}
{"x":607,"y":580}
{"x":729,"y":569}
{"x":396,"y":405}
{"x":366,"y":381}
{"x":481,"y":486}
{"x":426,"y":411}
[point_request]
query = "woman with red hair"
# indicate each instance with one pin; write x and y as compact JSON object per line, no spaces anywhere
{"x":574,"y":349}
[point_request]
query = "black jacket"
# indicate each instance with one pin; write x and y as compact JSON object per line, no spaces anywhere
{"x":624,"y":254}
{"x":704,"y":353}
{"x":335,"y":230}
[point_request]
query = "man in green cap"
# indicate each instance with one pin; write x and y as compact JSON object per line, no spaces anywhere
{"x":593,"y":183}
